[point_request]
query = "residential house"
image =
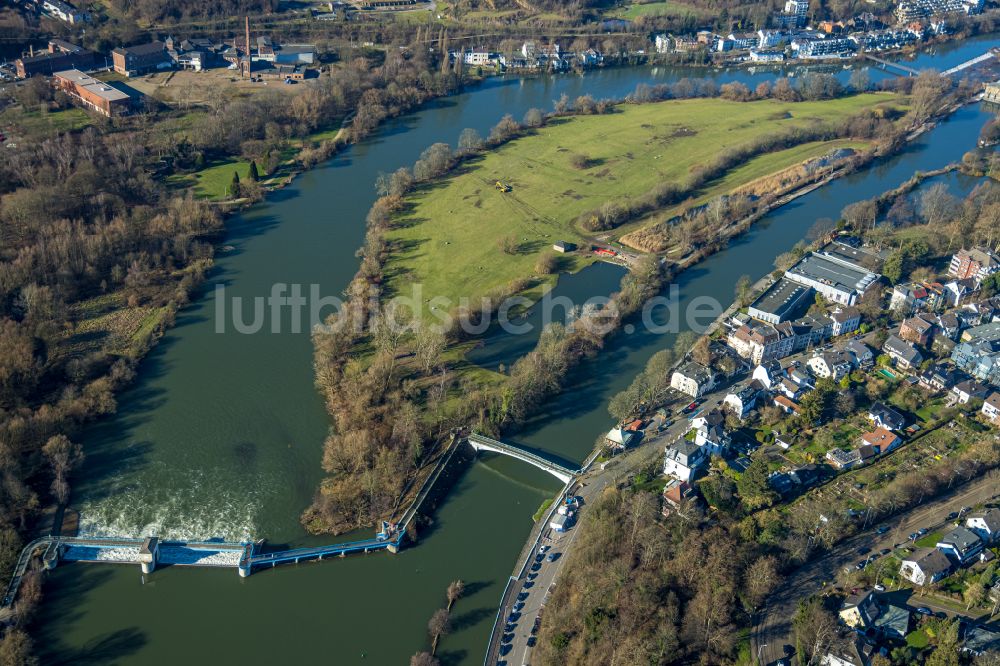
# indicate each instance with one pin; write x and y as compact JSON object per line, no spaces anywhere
{"x":893,"y":622}
{"x":693,"y":379}
{"x":760,"y":344}
{"x":968,"y":390}
{"x":791,"y":389}
{"x":136,"y":60}
{"x":862,"y":353}
{"x":710,"y":432}
{"x":950,"y":325}
{"x":918,"y":329}
{"x":978,"y":352}
{"x":830,"y":364}
{"x":908,"y":298}
{"x":678,"y":497}
{"x":887,"y":417}
{"x":957,"y":292}
{"x":662,"y":43}
{"x":832,"y":47}
{"x":991,"y":407}
{"x":845,"y":320}
{"x":881,"y":440}
{"x":683,"y":459}
{"x":903,"y":354}
{"x":960,"y":544}
{"x":980,"y":640}
{"x":940,"y":377}
{"x":925,"y":566}
{"x":786,"y":404}
{"x":986,"y":525}
{"x":742,"y":399}
{"x":766,"y":56}
{"x":859,"y":611}
{"x":64,"y":11}
{"x":841,"y":459}
{"x":769,"y":38}
{"x":768,"y":374}
{"x":978,"y":263}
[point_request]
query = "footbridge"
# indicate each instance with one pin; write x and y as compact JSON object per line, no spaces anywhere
{"x":561,"y":472}
{"x":968,"y":63}
{"x":886,"y":64}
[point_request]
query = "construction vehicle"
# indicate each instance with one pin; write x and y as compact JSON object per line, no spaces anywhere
{"x":503,"y":187}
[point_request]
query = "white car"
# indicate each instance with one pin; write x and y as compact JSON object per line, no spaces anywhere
{"x":880,"y":588}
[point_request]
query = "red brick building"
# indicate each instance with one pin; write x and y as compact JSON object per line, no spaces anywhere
{"x":93,"y":94}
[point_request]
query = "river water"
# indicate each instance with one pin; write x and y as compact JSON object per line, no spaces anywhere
{"x":222,"y":433}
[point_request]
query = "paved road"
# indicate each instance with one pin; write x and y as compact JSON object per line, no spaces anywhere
{"x":773,"y":625}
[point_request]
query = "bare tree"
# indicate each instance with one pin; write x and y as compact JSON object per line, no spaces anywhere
{"x":455,"y":590}
{"x":438,"y":626}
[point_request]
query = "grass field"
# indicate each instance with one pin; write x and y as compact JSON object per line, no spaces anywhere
{"x":213,"y":181}
{"x":665,"y":7}
{"x":37,"y":123}
{"x":447,"y":237}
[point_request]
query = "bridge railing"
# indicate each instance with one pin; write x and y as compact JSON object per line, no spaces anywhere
{"x":518,"y":451}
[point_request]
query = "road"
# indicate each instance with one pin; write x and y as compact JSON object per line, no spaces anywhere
{"x":773,"y":624}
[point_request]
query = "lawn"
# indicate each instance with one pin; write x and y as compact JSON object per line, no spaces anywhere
{"x":928,"y":540}
{"x":448,"y":235}
{"x":213,"y":181}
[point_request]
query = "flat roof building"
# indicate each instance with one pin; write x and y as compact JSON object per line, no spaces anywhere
{"x":832,"y":276}
{"x":93,"y":94}
{"x":784,"y":300}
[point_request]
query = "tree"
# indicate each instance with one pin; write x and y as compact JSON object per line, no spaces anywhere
{"x":439,"y":625}
{"x":753,"y":486}
{"x":533,"y":118}
{"x":761,"y":578}
{"x":455,"y":590}
{"x":424,"y":659}
{"x":743,"y":286}
{"x":429,"y":343}
{"x":508,"y":244}
{"x":16,"y":648}
{"x":815,"y":630}
{"x":469,"y":141}
{"x":860,"y":81}
{"x":234,"y":186}
{"x":252,"y":173}
{"x":64,"y":456}
{"x":946,"y":651}
{"x":684,"y":342}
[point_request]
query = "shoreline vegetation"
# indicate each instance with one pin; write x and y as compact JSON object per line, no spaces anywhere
{"x":396,"y":389}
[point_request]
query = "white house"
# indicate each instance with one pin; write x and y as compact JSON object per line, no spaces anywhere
{"x":710,"y":433}
{"x":862,"y":353}
{"x":683,"y":459}
{"x":961,"y":544}
{"x":833,"y":365}
{"x":985,"y":525}
{"x":768,"y":374}
{"x":662,"y":43}
{"x":742,"y":399}
{"x":619,"y":438}
{"x":925,"y":566}
{"x":693,"y":379}
{"x":845,"y":320}
{"x":991,"y":407}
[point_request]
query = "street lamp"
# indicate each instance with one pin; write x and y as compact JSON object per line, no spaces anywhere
{"x":759,"y":649}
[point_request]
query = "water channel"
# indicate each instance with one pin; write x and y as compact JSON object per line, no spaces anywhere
{"x":221,"y":434}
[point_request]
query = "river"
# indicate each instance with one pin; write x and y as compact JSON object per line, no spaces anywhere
{"x":221,"y":434}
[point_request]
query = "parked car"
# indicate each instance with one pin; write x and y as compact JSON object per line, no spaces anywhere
{"x":914,"y":536}
{"x":924,"y":610}
{"x":864,"y":550}
{"x":544,"y":549}
{"x":922,"y":531}
{"x":952,"y":516}
{"x":885,"y":551}
{"x":879,"y":588}
{"x":861,"y":565}
{"x":882,"y":530}
{"x":552,"y":557}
